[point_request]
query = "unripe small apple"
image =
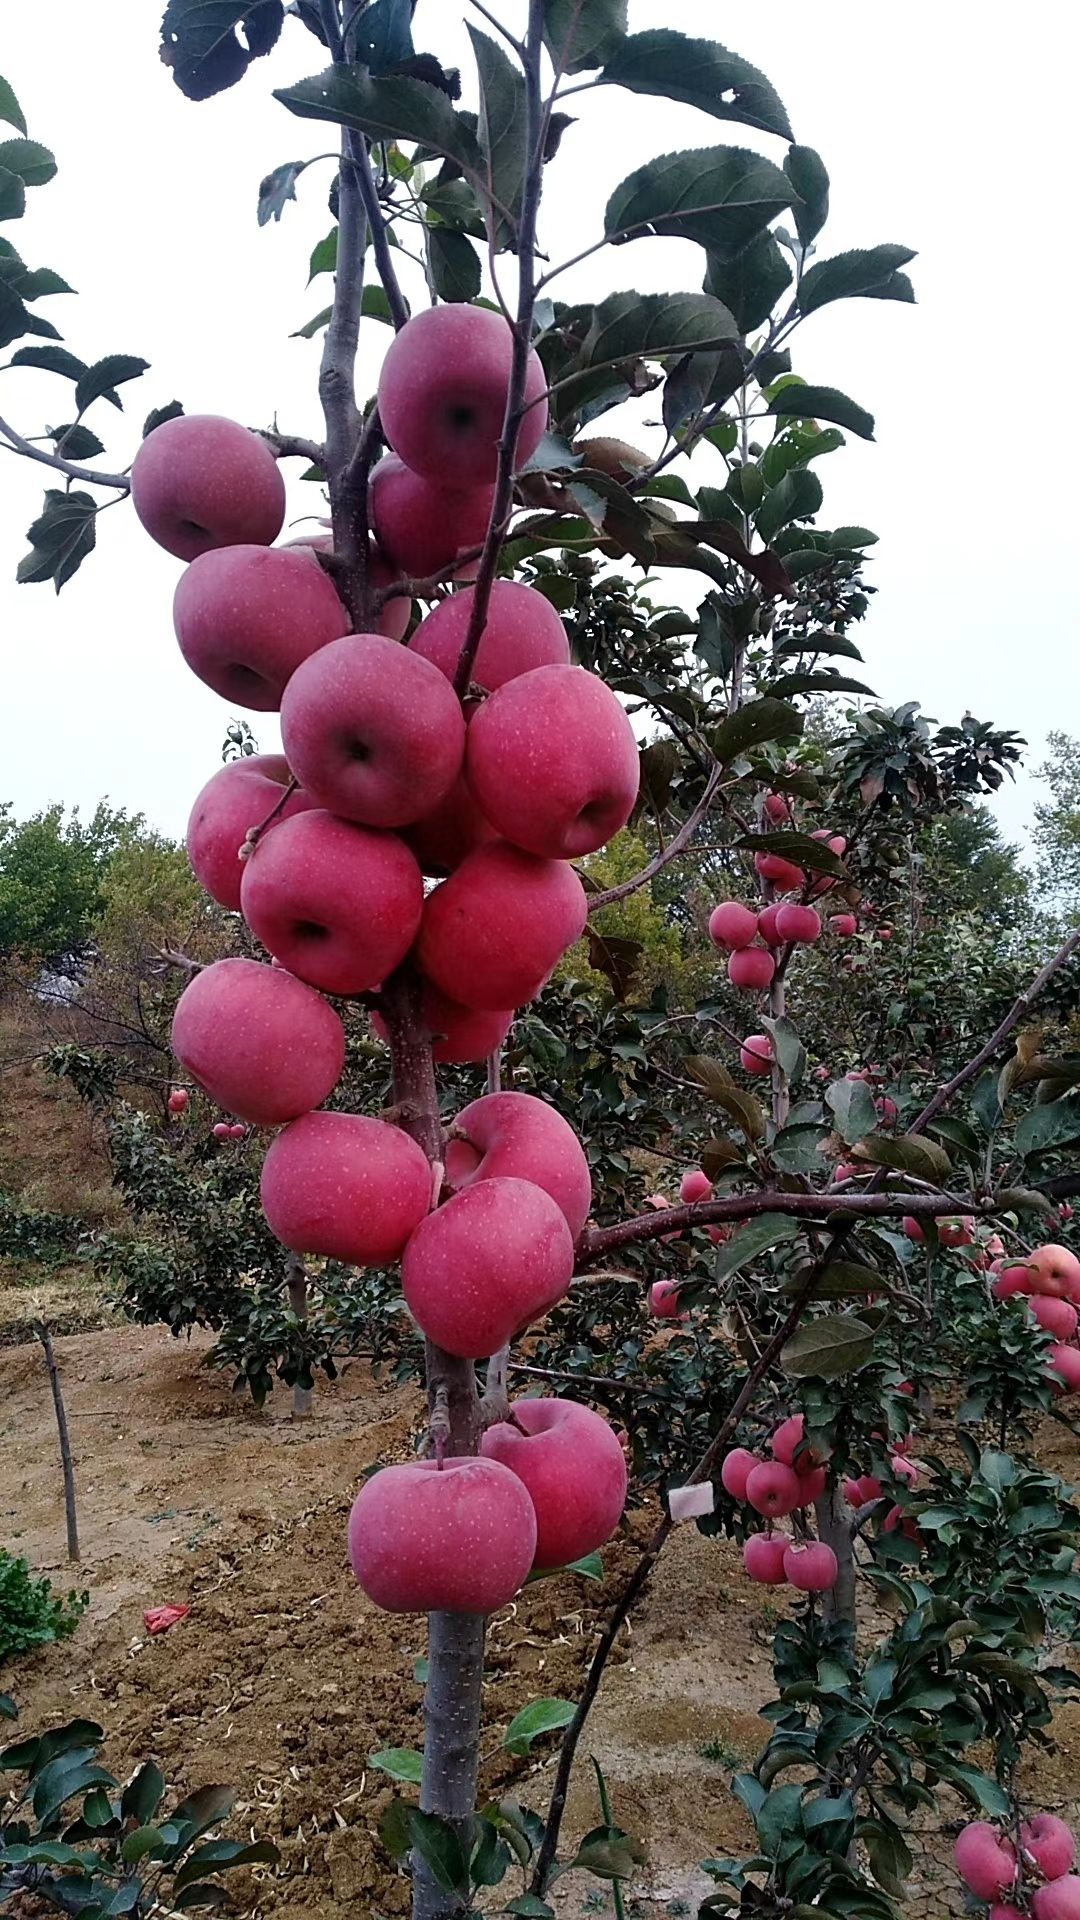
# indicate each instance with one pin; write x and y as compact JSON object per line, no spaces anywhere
{"x":773,"y":1489}
{"x":664,"y":1298}
{"x":766,"y":926}
{"x":777,"y":808}
{"x":1058,"y":1317}
{"x":1063,"y":1364}
{"x":738,"y":1465}
{"x":751,"y":968}
{"x":455,"y":1538}
{"x":572,"y":1467}
{"x":178,"y":1100}
{"x":247,"y":617}
{"x":811,"y":1566}
{"x":1050,"y":1844}
{"x":798,"y":924}
{"x":443,"y":390}
{"x":1059,"y":1900}
{"x":985,"y":1859}
{"x":552,"y":761}
{"x":756,"y":1053}
{"x":732,"y":926}
{"x":200,"y":481}
{"x":422,"y":526}
{"x":235,"y":799}
{"x":262,"y":1044}
{"x":346,"y":1186}
{"x":484,"y":1265}
{"x":515,"y":1135}
{"x":694,"y":1186}
{"x":494,"y":932}
{"x":844,"y":925}
{"x":522,"y":632}
{"x":763,"y":1557}
{"x":458,"y":1034}
{"x":783,"y":873}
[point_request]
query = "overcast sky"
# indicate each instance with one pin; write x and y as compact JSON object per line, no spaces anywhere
{"x":948,"y":128}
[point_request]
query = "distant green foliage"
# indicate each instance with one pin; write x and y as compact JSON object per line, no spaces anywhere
{"x":31,"y":1614}
{"x":52,"y":874}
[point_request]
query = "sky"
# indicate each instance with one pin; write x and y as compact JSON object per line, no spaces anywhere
{"x":947,"y":128}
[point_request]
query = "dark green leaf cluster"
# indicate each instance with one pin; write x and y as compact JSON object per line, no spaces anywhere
{"x":31,"y":1614}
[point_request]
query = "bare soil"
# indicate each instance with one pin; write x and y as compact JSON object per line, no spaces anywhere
{"x":283,"y":1680}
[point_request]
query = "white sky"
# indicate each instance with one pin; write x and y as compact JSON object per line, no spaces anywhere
{"x":947,"y":127}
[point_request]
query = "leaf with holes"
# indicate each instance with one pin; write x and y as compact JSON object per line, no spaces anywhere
{"x":869,"y":273}
{"x":583,"y":33}
{"x":752,"y":1240}
{"x":824,"y":1348}
{"x":389,"y":108}
{"x":698,"y":73}
{"x":719,"y":1085}
{"x":823,"y":403}
{"x":908,"y":1153}
{"x":718,"y":196}
{"x":60,"y":538}
{"x":852,"y":1106}
{"x":209,"y":44}
{"x":277,"y":189}
{"x":101,"y":380}
{"x":501,"y":132}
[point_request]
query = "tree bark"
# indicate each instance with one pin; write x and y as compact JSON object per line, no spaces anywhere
{"x":834,"y":1529}
{"x":296,"y":1285}
{"x":70,"y":1515}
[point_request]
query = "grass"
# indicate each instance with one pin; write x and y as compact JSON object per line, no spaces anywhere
{"x":721,"y":1752}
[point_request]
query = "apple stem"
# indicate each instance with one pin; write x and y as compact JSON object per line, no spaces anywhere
{"x":255,"y":834}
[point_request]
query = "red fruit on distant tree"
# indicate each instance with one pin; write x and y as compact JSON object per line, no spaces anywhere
{"x":515,"y":1135}
{"x":985,"y":1859}
{"x":572,"y":1466}
{"x":552,"y":761}
{"x":773,"y":1489}
{"x":238,"y":1132}
{"x":694,"y":1185}
{"x":235,"y":799}
{"x":178,"y":1100}
{"x":522,"y":632}
{"x":373,"y":732}
{"x":262,"y":1044}
{"x":835,"y":841}
{"x":783,"y":873}
{"x":1050,"y":1844}
{"x":913,"y":1229}
{"x":756,"y":1053}
{"x":844,"y":925}
{"x":458,"y":1034}
{"x":887,"y":1109}
{"x":480,"y":1268}
{"x":420,"y":525}
{"x":247,"y":617}
{"x":811,"y":1566}
{"x":751,"y":968}
{"x":884,"y":933}
{"x":777,"y":809}
{"x":455,"y":1538}
{"x":664,"y":1298}
{"x":494,"y":932}
{"x":199,"y":481}
{"x":442,"y":394}
{"x":763,"y":1557}
{"x":337,"y":904}
{"x":221,"y":1130}
{"x":738,"y":1465}
{"x":346,"y":1186}
{"x":732,"y":926}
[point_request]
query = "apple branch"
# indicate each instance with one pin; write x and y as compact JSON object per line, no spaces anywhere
{"x":503,"y":502}
{"x":377,"y":222}
{"x":676,"y":845}
{"x":14,"y":442}
{"x":287,"y":446}
{"x":748,"y":1206}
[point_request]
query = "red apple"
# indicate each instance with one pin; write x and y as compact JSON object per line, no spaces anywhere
{"x":458,"y":1033}
{"x":860,"y":1491}
{"x":221,"y":1130}
{"x":763,"y":1557}
{"x":773,"y":1489}
{"x":443,"y":391}
{"x":844,"y":925}
{"x":459,"y":1538}
{"x":246,"y":617}
{"x":394,"y":615}
{"x":1049,"y":1843}
{"x":552,"y":762}
{"x":522,"y":632}
{"x":738,"y":1465}
{"x":1013,"y":1280}
{"x":345,"y":1186}
{"x":783,"y":873}
{"x":572,"y":1467}
{"x":777,"y":809}
{"x":756,"y":1053}
{"x":1059,"y":1900}
{"x":235,"y":799}
{"x":913,"y":1229}
{"x":811,"y":1566}
{"x":261,"y":1044}
{"x":787,"y":1440}
{"x":985,"y":1859}
{"x":518,"y":1136}
{"x":799,"y":924}
{"x":1063,"y":1364}
{"x":751,"y":968}
{"x":337,"y":904}
{"x":664,"y":1299}
{"x":766,"y":926}
{"x":887,"y":1109}
{"x":956,"y":1233}
{"x":238,"y":1132}
{"x":1056,"y":1271}
{"x":372,"y":732}
{"x":200,"y":481}
{"x":422,"y":526}
{"x":731,"y":925}
{"x":694,"y":1185}
{"x":178,"y":1100}
{"x":1056,"y":1316}
{"x":478,"y":1270}
{"x":812,"y":1484}
{"x":454,"y":828}
{"x":835,"y":841}
{"x":494,"y":932}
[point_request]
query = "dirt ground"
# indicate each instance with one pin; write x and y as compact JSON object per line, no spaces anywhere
{"x":283,"y":1679}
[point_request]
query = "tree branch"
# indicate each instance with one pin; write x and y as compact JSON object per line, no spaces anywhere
{"x":361,"y":162}
{"x":16,"y":444}
{"x":748,"y":1206}
{"x":284,"y":446}
{"x":676,"y":845}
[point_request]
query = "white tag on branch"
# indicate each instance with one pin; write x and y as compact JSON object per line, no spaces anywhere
{"x":689,"y":1503}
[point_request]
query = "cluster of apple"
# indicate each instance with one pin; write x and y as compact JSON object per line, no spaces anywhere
{"x":788,"y":1483}
{"x":1049,"y":1279}
{"x":664,"y":1295}
{"x":986,"y":1860}
{"x":178,"y":1102}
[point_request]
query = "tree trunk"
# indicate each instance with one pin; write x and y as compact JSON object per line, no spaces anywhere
{"x":296,"y":1285}
{"x":70,"y":1514}
{"x":834,"y":1528}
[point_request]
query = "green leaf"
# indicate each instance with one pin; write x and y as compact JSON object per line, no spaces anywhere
{"x":1025,"y":1200}
{"x":70,"y":1773}
{"x":33,"y":163}
{"x":750,"y":282}
{"x":806,"y":171}
{"x":12,"y":196}
{"x":143,"y":1840}
{"x":384,"y":35}
{"x":143,"y":1794}
{"x":978,"y":1787}
{"x":826,"y":1347}
{"x":719,"y":196}
{"x":787,"y":1047}
{"x":629,"y":325}
{"x":401,"y":1763}
{"x":719,"y":1085}
{"x":209,"y":44}
{"x":825,"y":680}
{"x":323,"y":256}
{"x":100,"y":381}
{"x":438,"y":1845}
{"x":751,"y":1241}
{"x":394,"y":107}
{"x":528,"y":1907}
{"x":206,"y":1807}
{"x":393,"y":1828}
{"x":848,"y":538}
{"x":583,"y":33}
{"x":78,"y":443}
{"x":158,"y":416}
{"x":60,"y":538}
{"x":796,"y":497}
{"x":51,"y":359}
{"x":277,"y":189}
{"x":315,"y":326}
{"x":749,"y":726}
{"x":539,"y":1717}
{"x":455,"y":264}
{"x":866,"y":272}
{"x":8,"y":1709}
{"x":908,"y":1152}
{"x":800,"y":848}
{"x":203,"y":1893}
{"x":501,"y":131}
{"x":841,"y":1280}
{"x":699,"y":73}
{"x":10,"y":111}
{"x":824,"y":403}
{"x":797,"y":1149}
{"x":852,"y":1106}
{"x":217,"y":1855}
{"x":1043,"y":1128}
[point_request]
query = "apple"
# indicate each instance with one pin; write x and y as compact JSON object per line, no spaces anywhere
{"x":664,"y":1299}
{"x":221,"y":1130}
{"x":199,"y":482}
{"x":443,"y":391}
{"x":798,"y":924}
{"x":887,"y":1109}
{"x":246,"y":617}
{"x":844,"y":925}
{"x":956,"y":1233}
{"x":766,"y":926}
{"x":346,"y":1186}
{"x":812,"y":1484}
{"x":394,"y":615}
{"x":1056,"y":1271}
{"x":454,"y":828}
{"x":494,"y":932}
{"x":751,"y":968}
{"x":1004,"y":1910}
{"x":763,"y":1557}
{"x":421,"y":527}
{"x":372,"y":732}
{"x":1063,"y":1363}
{"x":860,"y":1491}
{"x":339,"y":905}
{"x":458,"y":1034}
{"x":811,"y":1566}
{"x":178,"y":1100}
{"x":835,"y":841}
{"x":484,"y":1265}
{"x":787,"y":1442}
{"x":1012,"y":1280}
{"x":783,"y":873}
{"x":235,"y":799}
{"x":1059,"y":1900}
{"x":985,"y":1859}
{"x":522,"y":632}
{"x":915,"y":1232}
{"x":773,"y":1489}
{"x":1050,"y":1844}
{"x":571,"y":1465}
{"x":1056,"y":1316}
{"x":904,"y":1469}
{"x":552,"y":761}
{"x":732,"y":926}
{"x":260,"y":1043}
{"x":238,"y":1132}
{"x":455,"y":1538}
{"x":695,"y":1185}
{"x":777,"y":809}
{"x":884,"y":933}
{"x":517,"y":1135}
{"x":896,"y":1517}
{"x":756,"y":1053}
{"x":738,"y":1465}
